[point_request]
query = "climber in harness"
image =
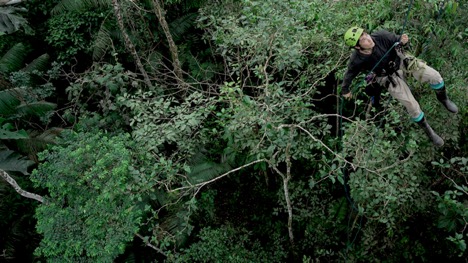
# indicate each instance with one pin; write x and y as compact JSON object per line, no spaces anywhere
{"x":381,"y":52}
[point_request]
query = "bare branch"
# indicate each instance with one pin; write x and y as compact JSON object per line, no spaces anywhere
{"x":286,"y":189}
{"x":147,"y":243}
{"x":18,"y":189}
{"x":217,"y":178}
{"x":459,"y":188}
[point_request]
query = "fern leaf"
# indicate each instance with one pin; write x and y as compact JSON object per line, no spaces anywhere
{"x":175,"y":224}
{"x":41,"y":63}
{"x":13,"y":60}
{"x":11,"y":161}
{"x":9,"y":100}
{"x":203,"y":169}
{"x":79,"y":5}
{"x":37,"y":142}
{"x":182,"y":25}
{"x":193,"y":4}
{"x":39,"y":108}
{"x":102,"y":42}
{"x":154,"y":61}
{"x":206,"y":171}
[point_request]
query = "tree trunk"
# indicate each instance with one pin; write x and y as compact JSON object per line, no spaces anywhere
{"x":128,"y":43}
{"x":158,"y":9}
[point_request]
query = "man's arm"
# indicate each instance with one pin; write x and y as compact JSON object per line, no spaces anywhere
{"x":352,"y":71}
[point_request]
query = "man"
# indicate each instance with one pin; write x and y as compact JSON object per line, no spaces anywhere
{"x":385,"y":47}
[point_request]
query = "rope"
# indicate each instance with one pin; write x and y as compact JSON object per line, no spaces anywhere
{"x":348,"y":197}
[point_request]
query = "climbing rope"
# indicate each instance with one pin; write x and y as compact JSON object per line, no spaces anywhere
{"x":348,"y":197}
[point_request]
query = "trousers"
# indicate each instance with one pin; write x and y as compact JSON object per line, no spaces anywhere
{"x":398,"y":88}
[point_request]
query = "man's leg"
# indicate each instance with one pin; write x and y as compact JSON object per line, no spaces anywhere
{"x":426,"y":74}
{"x":398,"y":88}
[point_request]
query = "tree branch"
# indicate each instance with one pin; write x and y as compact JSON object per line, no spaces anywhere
{"x":159,"y":11}
{"x":128,"y":43}
{"x":286,"y":190}
{"x":18,"y":189}
{"x":217,"y":178}
{"x":147,"y":243}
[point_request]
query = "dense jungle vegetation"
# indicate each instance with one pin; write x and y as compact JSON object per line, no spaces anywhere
{"x":213,"y":131}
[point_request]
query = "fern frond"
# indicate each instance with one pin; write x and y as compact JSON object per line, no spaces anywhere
{"x":193,"y":4}
{"x":102,"y":41}
{"x":79,"y":5}
{"x":39,"y":108}
{"x":206,"y":171}
{"x":203,"y":169}
{"x":9,"y":100}
{"x":182,"y":25}
{"x":41,"y":63}
{"x":13,"y":60}
{"x":37,"y":142}
{"x":9,"y":21}
{"x":175,"y":224}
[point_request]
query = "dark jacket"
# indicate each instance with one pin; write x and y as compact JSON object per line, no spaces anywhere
{"x":359,"y":62}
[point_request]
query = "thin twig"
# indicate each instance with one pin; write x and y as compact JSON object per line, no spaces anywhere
{"x":147,"y":243}
{"x":217,"y":178}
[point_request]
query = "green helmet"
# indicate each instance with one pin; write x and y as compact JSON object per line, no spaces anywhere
{"x":352,"y":36}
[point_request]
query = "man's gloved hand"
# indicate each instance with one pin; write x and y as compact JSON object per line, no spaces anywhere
{"x":348,"y":95}
{"x":404,"y":39}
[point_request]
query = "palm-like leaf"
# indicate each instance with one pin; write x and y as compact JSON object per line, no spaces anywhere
{"x":206,"y":171}
{"x":39,"y":108}
{"x":203,"y":169}
{"x":9,"y":100}
{"x":14,"y":59}
{"x":41,"y":63}
{"x":78,"y":5}
{"x":10,"y":21}
{"x":37,"y":141}
{"x":182,"y":25}
{"x":103,"y":40}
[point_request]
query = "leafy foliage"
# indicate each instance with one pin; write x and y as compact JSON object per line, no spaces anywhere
{"x":10,"y":21}
{"x":242,"y":158}
{"x":90,"y":213}
{"x":69,"y":35}
{"x":227,"y":244}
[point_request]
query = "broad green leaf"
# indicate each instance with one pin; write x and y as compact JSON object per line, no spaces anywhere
{"x":13,"y":135}
{"x":12,"y":161}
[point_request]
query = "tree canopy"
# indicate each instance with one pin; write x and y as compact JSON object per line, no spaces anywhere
{"x":214,"y":131}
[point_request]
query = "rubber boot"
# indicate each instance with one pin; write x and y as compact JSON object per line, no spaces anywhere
{"x":436,"y":140}
{"x":442,"y":97}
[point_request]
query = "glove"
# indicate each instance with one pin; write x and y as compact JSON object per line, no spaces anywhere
{"x":348,"y":95}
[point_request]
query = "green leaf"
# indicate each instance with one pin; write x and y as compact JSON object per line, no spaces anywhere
{"x":35,"y":108}
{"x":40,"y":63}
{"x":9,"y":21}
{"x":13,"y":135}
{"x":14,"y":59}
{"x":13,"y":162}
